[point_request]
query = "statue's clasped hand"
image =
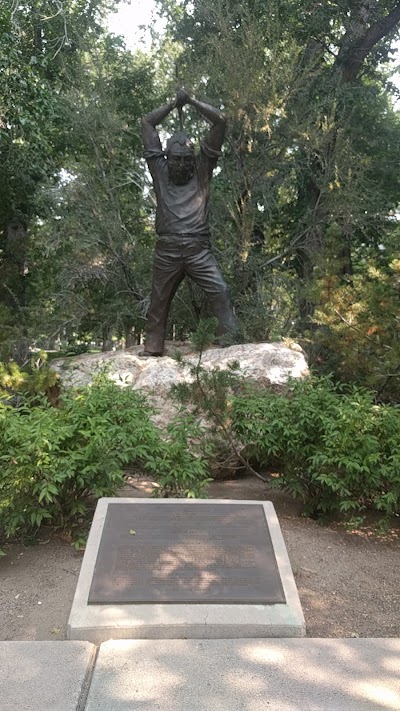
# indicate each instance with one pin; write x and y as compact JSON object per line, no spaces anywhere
{"x":182,"y":98}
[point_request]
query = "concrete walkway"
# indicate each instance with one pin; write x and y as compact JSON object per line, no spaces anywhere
{"x":45,"y":676}
{"x":206,"y":675}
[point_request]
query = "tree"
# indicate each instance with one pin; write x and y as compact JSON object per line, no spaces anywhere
{"x":41,"y":46}
{"x":99,"y":234}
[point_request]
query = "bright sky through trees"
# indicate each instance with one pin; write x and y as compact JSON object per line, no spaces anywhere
{"x":133,"y":21}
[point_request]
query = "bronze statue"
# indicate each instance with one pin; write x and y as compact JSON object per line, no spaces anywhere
{"x":181,"y":182}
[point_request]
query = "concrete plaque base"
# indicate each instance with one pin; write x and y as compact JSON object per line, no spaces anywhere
{"x":95,"y":620}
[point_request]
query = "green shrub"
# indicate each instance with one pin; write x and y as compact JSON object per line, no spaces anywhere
{"x":209,"y":395}
{"x":53,"y":461}
{"x":338,"y":451}
{"x":181,"y":465}
{"x":37,"y":378}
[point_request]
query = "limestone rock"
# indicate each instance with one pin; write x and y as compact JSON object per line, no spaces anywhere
{"x":265,"y":364}
{"x":268,"y":363}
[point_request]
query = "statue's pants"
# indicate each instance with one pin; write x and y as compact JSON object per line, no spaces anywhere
{"x":177,"y":256}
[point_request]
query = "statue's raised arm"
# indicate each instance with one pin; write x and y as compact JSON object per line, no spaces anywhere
{"x":215,"y":137}
{"x":151,"y":139}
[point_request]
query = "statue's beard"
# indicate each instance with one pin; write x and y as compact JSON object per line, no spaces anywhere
{"x":180,"y":174}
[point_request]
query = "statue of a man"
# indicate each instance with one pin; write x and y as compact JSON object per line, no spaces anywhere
{"x":182,"y":185}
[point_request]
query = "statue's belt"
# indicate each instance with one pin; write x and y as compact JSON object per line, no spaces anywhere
{"x":177,"y":236}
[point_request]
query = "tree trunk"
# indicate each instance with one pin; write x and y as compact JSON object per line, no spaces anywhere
{"x":107,"y":343}
{"x":129,"y":338}
{"x":360,"y":38}
{"x":13,"y":282}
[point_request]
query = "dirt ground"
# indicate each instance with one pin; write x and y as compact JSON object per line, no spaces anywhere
{"x":348,"y":582}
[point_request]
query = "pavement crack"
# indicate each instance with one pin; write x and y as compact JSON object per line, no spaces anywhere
{"x":206,"y":617}
{"x":88,"y":679}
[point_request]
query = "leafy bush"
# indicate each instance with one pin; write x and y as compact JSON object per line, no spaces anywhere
{"x":36,"y":379}
{"x":209,"y":394}
{"x":181,"y":464}
{"x":41,"y":378}
{"x":54,"y":460}
{"x":338,"y":451}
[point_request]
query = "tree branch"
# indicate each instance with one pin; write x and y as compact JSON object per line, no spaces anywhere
{"x":356,"y":45}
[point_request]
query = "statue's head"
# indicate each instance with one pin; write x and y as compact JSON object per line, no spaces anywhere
{"x":181,"y":158}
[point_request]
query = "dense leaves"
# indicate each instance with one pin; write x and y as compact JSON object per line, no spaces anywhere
{"x":337,"y":451}
{"x":56,"y":461}
{"x":42,"y":45}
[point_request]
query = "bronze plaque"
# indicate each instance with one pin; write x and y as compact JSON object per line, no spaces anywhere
{"x":186,"y":553}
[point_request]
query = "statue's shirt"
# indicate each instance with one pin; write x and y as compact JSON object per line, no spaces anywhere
{"x":182,"y":209}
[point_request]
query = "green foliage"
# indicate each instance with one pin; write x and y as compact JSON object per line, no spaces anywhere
{"x":204,"y":334}
{"x":55,"y":461}
{"x":71,"y":97}
{"x":98,"y":234}
{"x":11,"y":378}
{"x":37,"y":378}
{"x":358,"y":336}
{"x":181,"y":465}
{"x":209,"y":395}
{"x":75,"y":349}
{"x":338,"y":451}
{"x":209,"y":390}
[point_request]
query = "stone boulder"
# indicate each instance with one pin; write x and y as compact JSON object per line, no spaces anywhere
{"x":268,"y":363}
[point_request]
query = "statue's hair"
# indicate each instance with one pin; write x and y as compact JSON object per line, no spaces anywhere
{"x":182,"y":139}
